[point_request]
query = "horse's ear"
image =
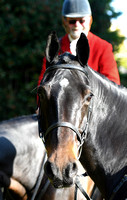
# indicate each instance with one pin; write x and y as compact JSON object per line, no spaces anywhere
{"x":52,"y":47}
{"x":82,"y":49}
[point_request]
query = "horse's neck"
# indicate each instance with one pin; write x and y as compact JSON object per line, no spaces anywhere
{"x":105,"y":127}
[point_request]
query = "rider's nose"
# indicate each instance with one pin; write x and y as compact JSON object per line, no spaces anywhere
{"x":77,"y":23}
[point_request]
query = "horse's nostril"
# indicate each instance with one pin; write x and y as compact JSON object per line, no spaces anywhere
{"x":74,"y":167}
{"x":71,"y":170}
{"x":49,"y":169}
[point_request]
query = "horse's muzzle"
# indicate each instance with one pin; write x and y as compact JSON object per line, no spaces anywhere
{"x":64,"y":177}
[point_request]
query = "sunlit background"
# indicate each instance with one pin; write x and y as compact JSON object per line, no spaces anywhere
{"x":121,"y":21}
{"x":121,"y":24}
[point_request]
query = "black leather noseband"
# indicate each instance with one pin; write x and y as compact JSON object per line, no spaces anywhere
{"x":64,"y":124}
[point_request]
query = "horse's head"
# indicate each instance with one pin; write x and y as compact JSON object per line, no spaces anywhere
{"x":64,"y":98}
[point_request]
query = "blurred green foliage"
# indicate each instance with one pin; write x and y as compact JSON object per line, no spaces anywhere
{"x":24,"y":26}
{"x":123,"y":78}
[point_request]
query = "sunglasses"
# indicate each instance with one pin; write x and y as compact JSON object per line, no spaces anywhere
{"x":73,"y":21}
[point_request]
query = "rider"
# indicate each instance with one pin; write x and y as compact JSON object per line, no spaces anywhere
{"x":77,"y":18}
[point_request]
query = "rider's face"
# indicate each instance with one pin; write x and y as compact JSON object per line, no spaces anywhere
{"x":78,"y":25}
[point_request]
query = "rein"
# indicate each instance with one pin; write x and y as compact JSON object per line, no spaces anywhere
{"x":41,"y":174}
{"x":78,"y":185}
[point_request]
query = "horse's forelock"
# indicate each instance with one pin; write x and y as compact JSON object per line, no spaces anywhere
{"x":68,"y":58}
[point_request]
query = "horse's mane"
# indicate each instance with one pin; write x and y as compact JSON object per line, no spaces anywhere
{"x":109,"y":85}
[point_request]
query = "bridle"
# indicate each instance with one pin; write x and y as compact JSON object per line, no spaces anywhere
{"x":80,"y":136}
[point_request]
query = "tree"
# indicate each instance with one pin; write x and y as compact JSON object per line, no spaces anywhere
{"x":102,"y":14}
{"x":24,"y":26}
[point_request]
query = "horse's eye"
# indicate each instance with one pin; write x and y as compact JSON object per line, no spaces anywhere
{"x":88,"y":98}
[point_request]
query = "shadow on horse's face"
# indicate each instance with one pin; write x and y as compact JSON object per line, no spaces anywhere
{"x":64,"y":98}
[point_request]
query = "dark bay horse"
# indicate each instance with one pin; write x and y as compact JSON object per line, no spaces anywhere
{"x":83,"y":115}
{"x":21,"y":164}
